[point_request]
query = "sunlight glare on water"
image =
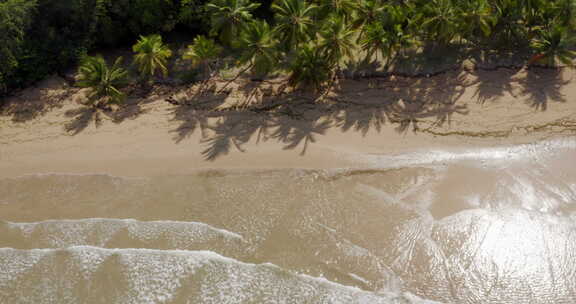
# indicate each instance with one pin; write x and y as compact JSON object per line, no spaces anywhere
{"x":488,"y":226}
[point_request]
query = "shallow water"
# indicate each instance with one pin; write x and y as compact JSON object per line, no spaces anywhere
{"x":485,"y":226}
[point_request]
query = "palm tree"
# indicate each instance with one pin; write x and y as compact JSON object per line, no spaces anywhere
{"x":375,"y":40}
{"x":229,"y":16}
{"x":342,"y":8}
{"x":401,"y":23}
{"x":104,"y":82}
{"x":368,"y":11}
{"x":555,"y":43}
{"x":309,"y":69}
{"x":152,"y":56}
{"x":337,"y":41}
{"x":201,"y":52}
{"x":394,"y":14}
{"x":477,"y":19}
{"x":565,"y":12}
{"x":258,"y":47}
{"x":295,"y":21}
{"x":509,"y":29}
{"x":440,"y":21}
{"x":532,"y":10}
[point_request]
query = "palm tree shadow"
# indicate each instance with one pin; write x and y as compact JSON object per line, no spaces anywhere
{"x":234,"y":129}
{"x":435,"y":99}
{"x":363,"y":118}
{"x":294,"y":132}
{"x":293,"y":125}
{"x":193,"y":112}
{"x":190,"y":120}
{"x":34,"y":102}
{"x":82,"y":117}
{"x":431,"y":61}
{"x":542,"y":85}
{"x":492,"y":86}
{"x":408,"y":115}
{"x":130,"y":109}
{"x":296,"y":121}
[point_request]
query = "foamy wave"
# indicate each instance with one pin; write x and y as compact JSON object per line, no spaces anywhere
{"x":102,"y":233}
{"x":163,"y":276}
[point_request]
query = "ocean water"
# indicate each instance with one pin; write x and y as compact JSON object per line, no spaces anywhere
{"x":491,"y":225}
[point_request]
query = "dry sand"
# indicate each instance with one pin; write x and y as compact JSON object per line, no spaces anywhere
{"x":260,"y":125}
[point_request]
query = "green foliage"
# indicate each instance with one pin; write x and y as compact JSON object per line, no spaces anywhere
{"x":375,"y":40}
{"x":104,"y":82}
{"x":342,"y":8}
{"x":192,"y":14}
{"x":368,"y":11}
{"x":477,"y":19}
{"x":294,"y":21}
{"x":42,"y":37}
{"x":58,"y":33}
{"x":565,"y":13}
{"x":555,"y":44}
{"x":229,"y":16}
{"x":258,"y":47}
{"x":201,"y":52}
{"x":440,"y":21}
{"x":310,"y":69}
{"x":15,"y":18}
{"x":151,"y":56}
{"x":337,"y":41}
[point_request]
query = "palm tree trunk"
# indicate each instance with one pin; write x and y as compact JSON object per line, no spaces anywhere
{"x":330,"y":85}
{"x":237,"y":76}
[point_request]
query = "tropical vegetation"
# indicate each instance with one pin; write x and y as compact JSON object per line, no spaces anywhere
{"x":151,"y":56}
{"x":310,"y":41}
{"x":202,"y":53}
{"x":104,"y":82}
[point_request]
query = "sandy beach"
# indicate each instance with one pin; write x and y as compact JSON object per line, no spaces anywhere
{"x":457,"y":188}
{"x":47,"y":129}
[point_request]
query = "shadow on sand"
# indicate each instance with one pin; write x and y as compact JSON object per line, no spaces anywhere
{"x":34,"y":102}
{"x":543,"y":85}
{"x":296,"y":120}
{"x":266,"y":111}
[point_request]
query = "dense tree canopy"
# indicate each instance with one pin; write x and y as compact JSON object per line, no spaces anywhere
{"x":42,"y":37}
{"x":15,"y":18}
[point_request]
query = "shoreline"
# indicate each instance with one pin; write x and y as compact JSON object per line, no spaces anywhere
{"x":46,"y":129}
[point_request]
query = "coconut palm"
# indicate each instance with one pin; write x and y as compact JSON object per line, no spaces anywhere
{"x":554,"y":44}
{"x":201,"y":52}
{"x":229,"y":16}
{"x":342,"y":8}
{"x":104,"y":82}
{"x":337,"y":40}
{"x":532,"y":10}
{"x":151,"y":56}
{"x":400,"y":22}
{"x":295,"y":21}
{"x":394,"y":14}
{"x":258,"y":47}
{"x":565,"y":12}
{"x":375,"y":40}
{"x":367,"y":12}
{"x":400,"y":40}
{"x":509,"y":29}
{"x":440,"y":21}
{"x":309,"y":69}
{"x":477,"y":18}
